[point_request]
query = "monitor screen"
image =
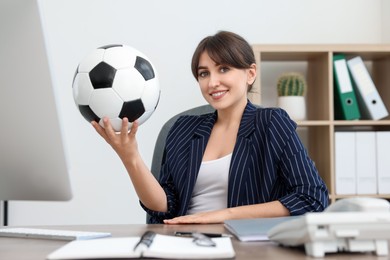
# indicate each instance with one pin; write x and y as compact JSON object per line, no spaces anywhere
{"x":33,"y":164}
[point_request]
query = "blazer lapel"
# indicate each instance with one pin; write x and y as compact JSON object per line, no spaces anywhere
{"x":196,"y":150}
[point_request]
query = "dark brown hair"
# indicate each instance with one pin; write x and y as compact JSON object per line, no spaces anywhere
{"x":225,"y":48}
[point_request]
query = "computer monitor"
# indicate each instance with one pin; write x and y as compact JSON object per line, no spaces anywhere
{"x":33,"y":164}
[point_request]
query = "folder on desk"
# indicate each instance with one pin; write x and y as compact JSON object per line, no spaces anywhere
{"x":383,"y":161}
{"x":345,"y":102}
{"x":371,"y":104}
{"x":345,"y":163}
{"x":366,"y":182}
{"x":254,"y":229}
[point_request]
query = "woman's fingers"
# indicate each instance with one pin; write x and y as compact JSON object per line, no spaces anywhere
{"x":134,"y":128}
{"x":124,"y":128}
{"x":114,"y":138}
{"x":108,"y":128}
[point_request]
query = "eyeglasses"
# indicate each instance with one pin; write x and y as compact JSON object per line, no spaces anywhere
{"x":202,"y":240}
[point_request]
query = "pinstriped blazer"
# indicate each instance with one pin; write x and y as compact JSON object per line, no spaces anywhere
{"x":268,"y":163}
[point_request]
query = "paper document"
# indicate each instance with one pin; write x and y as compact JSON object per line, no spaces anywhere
{"x":161,"y":246}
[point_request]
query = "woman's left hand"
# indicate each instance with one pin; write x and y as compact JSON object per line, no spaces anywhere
{"x":262,"y":210}
{"x":210,"y":217}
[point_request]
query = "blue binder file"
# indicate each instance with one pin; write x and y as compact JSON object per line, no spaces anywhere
{"x":345,"y":103}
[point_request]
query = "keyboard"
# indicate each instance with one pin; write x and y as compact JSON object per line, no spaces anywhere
{"x":51,"y":234}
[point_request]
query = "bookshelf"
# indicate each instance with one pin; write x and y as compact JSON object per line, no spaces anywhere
{"x":316,"y":63}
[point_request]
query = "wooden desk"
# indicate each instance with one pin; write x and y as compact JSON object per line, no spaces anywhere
{"x":38,"y":249}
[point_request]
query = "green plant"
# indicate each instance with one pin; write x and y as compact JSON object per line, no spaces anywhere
{"x":291,"y":84}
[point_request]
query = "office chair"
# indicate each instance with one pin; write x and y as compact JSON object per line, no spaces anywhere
{"x":160,"y":142}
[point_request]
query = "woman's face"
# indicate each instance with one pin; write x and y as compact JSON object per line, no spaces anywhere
{"x":223,"y":86}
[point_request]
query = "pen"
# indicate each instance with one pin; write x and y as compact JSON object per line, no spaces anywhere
{"x":190,"y":234}
{"x":146,"y":239}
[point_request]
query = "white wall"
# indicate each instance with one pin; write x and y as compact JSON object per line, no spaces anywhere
{"x":167,"y":32}
{"x":385,"y":21}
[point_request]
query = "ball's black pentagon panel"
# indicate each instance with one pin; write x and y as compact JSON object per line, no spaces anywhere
{"x":88,"y":114}
{"x":144,"y":67}
{"x":102,"y":75}
{"x":132,"y":110}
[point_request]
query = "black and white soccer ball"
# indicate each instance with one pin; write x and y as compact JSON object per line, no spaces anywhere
{"x":116,"y":81}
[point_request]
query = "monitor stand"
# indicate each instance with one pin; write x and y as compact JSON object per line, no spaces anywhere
{"x":4,"y":213}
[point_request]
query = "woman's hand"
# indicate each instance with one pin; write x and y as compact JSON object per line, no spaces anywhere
{"x":124,"y":143}
{"x":210,"y":217}
{"x":262,"y":210}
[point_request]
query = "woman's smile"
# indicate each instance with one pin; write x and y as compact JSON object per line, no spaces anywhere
{"x":218,"y":94}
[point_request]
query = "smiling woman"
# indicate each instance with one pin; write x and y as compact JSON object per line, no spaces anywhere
{"x":256,"y":151}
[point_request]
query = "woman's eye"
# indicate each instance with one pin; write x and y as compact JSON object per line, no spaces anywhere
{"x":224,"y":69}
{"x":202,"y":74}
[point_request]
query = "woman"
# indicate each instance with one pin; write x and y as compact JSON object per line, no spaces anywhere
{"x":238,"y":162}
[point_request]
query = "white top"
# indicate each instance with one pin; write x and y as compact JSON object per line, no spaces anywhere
{"x":210,"y":191}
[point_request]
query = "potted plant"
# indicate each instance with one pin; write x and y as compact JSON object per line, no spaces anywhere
{"x":291,"y":88}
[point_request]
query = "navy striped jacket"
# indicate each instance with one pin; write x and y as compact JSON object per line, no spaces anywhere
{"x":269,"y":163}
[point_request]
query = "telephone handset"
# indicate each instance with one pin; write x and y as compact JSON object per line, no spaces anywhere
{"x":359,"y":224}
{"x":366,"y":204}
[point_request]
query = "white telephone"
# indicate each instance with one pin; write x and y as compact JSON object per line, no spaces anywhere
{"x":366,"y":204}
{"x":359,"y":224}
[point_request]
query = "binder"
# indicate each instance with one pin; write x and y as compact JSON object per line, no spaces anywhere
{"x":383,"y":161}
{"x":345,"y":163}
{"x":366,"y":182}
{"x":371,"y":104}
{"x":345,"y":102}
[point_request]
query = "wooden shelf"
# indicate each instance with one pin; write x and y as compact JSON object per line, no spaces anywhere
{"x":362,"y":123}
{"x":313,"y":123}
{"x":383,"y":196}
{"x":321,"y":125}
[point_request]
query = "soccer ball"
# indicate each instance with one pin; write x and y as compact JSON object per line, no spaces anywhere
{"x":116,"y":81}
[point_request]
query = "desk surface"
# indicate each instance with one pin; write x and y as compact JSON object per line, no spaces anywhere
{"x":38,"y":249}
